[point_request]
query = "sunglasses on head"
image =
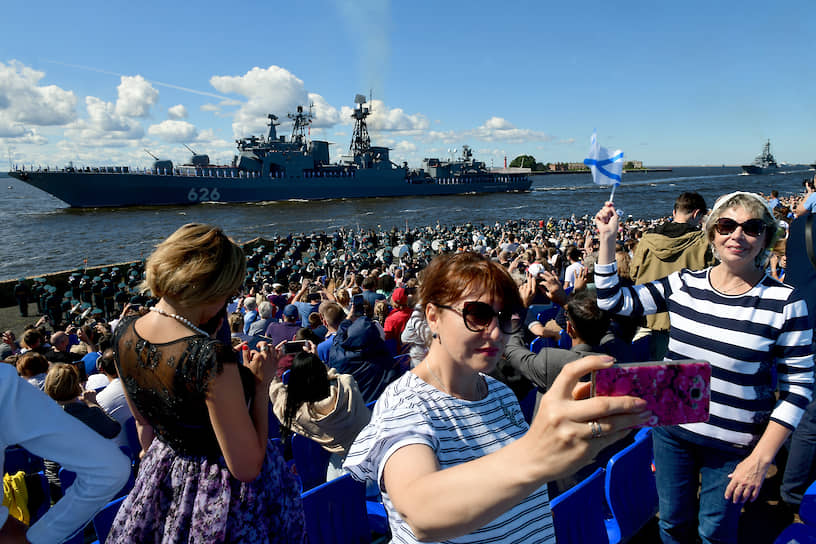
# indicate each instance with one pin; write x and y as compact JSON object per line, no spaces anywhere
{"x":479,"y":315}
{"x":752,"y":227}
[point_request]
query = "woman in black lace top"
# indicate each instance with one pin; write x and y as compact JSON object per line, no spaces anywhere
{"x":208,"y":473}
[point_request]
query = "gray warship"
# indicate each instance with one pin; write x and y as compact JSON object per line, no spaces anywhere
{"x":273,"y":168}
{"x":764,"y":163}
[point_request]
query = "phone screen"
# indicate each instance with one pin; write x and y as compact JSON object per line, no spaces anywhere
{"x":294,"y":346}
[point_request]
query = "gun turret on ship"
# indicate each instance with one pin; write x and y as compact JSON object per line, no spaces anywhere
{"x":271,"y":168}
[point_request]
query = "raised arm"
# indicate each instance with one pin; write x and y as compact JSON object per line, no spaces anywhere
{"x":242,"y":436}
{"x":606,"y":221}
{"x":439,"y":504}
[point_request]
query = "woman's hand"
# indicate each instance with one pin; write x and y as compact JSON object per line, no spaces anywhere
{"x":606,"y":221}
{"x":263,"y":361}
{"x":746,"y":480}
{"x":580,"y":279}
{"x":563,"y":426}
{"x":527,"y":290}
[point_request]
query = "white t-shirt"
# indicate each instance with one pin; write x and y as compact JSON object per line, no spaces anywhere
{"x":411,"y":411}
{"x":569,"y":275}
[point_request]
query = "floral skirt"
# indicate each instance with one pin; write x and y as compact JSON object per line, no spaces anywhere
{"x":179,"y":499}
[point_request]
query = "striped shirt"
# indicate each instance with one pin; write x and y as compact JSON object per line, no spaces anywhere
{"x":752,"y":340}
{"x":411,"y":411}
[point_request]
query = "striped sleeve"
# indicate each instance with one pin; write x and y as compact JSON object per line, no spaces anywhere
{"x":648,"y":298}
{"x":794,"y":363}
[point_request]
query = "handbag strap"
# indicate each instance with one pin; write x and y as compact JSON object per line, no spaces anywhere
{"x":809,"y":239}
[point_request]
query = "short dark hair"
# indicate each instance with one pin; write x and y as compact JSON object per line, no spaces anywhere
{"x":574,"y":254}
{"x":589,"y":321}
{"x":369,"y":283}
{"x":689,"y":201}
{"x":106,"y":363}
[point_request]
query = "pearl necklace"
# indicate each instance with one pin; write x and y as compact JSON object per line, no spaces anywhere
{"x":181,"y":319}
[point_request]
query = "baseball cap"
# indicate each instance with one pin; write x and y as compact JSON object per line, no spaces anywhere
{"x":290,"y":310}
{"x":399,"y":296}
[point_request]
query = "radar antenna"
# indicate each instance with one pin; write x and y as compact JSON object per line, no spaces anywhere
{"x":155,"y":158}
{"x":360,"y":140}
{"x":301,"y":122}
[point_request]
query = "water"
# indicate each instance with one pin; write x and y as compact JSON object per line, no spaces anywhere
{"x":40,"y":234}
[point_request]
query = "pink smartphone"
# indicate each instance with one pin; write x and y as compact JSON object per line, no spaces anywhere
{"x":675,"y":391}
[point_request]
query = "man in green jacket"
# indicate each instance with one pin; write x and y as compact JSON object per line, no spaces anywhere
{"x":667,"y":248}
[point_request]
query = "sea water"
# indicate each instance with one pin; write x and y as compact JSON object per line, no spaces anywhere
{"x":41,"y":234}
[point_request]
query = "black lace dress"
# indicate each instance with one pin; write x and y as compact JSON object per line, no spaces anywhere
{"x":184,"y":491}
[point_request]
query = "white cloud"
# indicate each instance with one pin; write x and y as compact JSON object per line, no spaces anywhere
{"x":104,"y":126}
{"x":23,"y":102}
{"x":210,"y":107}
{"x":267,"y":90}
{"x":177,"y":112}
{"x":173,"y":131}
{"x":385,"y":119}
{"x":405,"y":147}
{"x":136,"y":95}
{"x":493,"y":130}
{"x":325,"y":115}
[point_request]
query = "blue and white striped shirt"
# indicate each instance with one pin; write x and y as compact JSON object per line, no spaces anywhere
{"x":411,"y":411}
{"x":747,"y":338}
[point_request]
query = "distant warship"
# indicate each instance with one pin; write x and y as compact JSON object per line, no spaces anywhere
{"x":764,"y":163}
{"x":273,"y":168}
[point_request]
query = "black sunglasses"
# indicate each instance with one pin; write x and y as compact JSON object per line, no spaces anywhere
{"x":753,"y":227}
{"x":479,"y":315}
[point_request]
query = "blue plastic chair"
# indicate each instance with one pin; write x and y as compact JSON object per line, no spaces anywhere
{"x":285,"y":377}
{"x":311,"y":461}
{"x":537,"y":344}
{"x":640,"y":349}
{"x":578,"y":513}
{"x":631,"y":492}
{"x":528,"y":404}
{"x":335,"y":512}
{"x":45,"y":489}
{"x":797,"y":533}
{"x":274,"y":425}
{"x":807,"y":509}
{"x":103,"y":521}
{"x":18,"y":458}
{"x":133,"y":438}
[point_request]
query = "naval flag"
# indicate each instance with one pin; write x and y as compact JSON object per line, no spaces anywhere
{"x":606,"y":168}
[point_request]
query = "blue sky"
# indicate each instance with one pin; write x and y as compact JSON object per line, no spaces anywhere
{"x":676,"y":83}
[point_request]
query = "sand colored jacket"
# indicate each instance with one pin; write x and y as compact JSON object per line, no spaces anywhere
{"x":666,"y":249}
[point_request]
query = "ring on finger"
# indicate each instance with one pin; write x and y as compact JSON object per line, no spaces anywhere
{"x":595,"y":429}
{"x":264,"y":348}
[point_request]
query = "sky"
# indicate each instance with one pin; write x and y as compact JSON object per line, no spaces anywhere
{"x":669,"y":83}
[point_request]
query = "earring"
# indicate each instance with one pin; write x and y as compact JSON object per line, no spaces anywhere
{"x":434,"y":336}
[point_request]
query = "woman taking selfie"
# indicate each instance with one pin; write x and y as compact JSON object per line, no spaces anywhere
{"x":448,"y":445}
{"x":744,"y":323}
{"x":209,"y":475}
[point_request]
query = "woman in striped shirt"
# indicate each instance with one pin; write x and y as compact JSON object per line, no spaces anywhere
{"x":750,"y":327}
{"x":448,"y":445}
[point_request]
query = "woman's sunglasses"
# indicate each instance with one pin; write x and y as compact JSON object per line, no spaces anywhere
{"x":753,"y":227}
{"x":479,"y":315}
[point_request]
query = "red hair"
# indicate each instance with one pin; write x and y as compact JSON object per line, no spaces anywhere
{"x":452,"y":276}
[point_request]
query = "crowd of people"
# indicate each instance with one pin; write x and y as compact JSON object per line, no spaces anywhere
{"x":405,"y":353}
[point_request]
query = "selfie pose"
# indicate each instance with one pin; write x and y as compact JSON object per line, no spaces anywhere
{"x":448,"y":445}
{"x":209,"y":475}
{"x":750,"y":327}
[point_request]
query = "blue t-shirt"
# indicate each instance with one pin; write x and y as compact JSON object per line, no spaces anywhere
{"x":810,"y":203}
{"x":324,"y":347}
{"x":304,"y":309}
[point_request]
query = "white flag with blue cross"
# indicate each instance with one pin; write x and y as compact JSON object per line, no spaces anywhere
{"x":606,"y":168}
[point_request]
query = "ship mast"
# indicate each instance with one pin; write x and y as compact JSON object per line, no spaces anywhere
{"x":360,"y":141}
{"x":301,"y":122}
{"x":273,"y":135}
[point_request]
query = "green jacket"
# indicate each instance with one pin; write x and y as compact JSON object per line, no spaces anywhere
{"x":664,"y":250}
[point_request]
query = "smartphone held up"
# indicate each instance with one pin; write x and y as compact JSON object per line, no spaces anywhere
{"x":675,"y":391}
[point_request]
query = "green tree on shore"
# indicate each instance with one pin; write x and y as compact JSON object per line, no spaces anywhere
{"x":523,"y":161}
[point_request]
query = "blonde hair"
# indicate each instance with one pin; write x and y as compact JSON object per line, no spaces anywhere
{"x":195,"y":264}
{"x":757,"y":207}
{"x":62,"y":382}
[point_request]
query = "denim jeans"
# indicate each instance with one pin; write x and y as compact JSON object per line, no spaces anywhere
{"x":680,"y":465}
{"x":800,"y":470}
